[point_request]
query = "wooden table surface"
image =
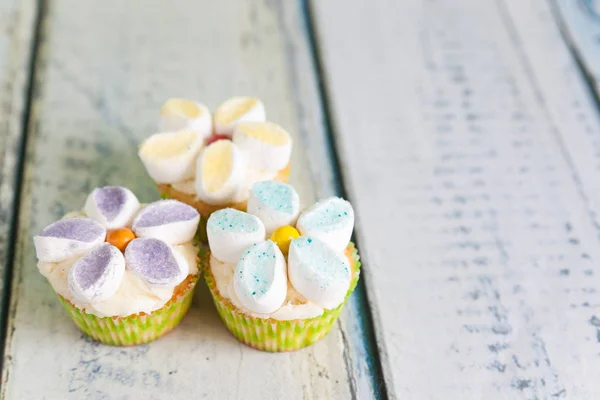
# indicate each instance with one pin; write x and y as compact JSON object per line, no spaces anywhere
{"x":466,"y":133}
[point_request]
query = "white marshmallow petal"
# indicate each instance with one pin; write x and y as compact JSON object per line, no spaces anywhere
{"x":317,"y":272}
{"x":168,"y":220}
{"x":112,"y":206}
{"x":330,"y":220}
{"x":68,"y":237}
{"x":260,"y":278}
{"x":236,"y":110}
{"x":266,"y":145}
{"x":98,"y":274}
{"x":220,"y":172}
{"x":181,"y":114}
{"x":275,"y":203}
{"x":230,"y":232}
{"x":170,"y":157}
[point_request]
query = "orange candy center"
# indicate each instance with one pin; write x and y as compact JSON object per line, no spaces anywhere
{"x":120,"y":238}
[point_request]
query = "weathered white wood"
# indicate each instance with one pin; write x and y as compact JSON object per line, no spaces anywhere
{"x":105,"y":67}
{"x":476,"y":194}
{"x":580,"y":20}
{"x":16,"y":31}
{"x":574,"y":119}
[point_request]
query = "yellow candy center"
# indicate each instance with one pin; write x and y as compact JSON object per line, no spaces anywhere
{"x":180,"y":107}
{"x":233,"y":109}
{"x":217,"y":165}
{"x":283,"y":236}
{"x":169,"y":144}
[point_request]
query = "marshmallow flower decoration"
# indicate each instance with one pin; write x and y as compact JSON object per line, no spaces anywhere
{"x":316,"y":265}
{"x":217,"y":169}
{"x":97,"y":274}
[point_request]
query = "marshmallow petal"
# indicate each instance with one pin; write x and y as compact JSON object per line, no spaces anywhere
{"x":97,"y":275}
{"x":230,"y":232}
{"x":266,"y":145}
{"x":275,"y":203}
{"x":155,"y":262}
{"x":220,"y":172}
{"x":236,"y":110}
{"x":182,"y":114}
{"x":168,"y":220}
{"x":112,"y":206}
{"x":260,"y":278}
{"x":68,"y":237}
{"x":331,"y":220}
{"x":317,"y":272}
{"x":170,"y":157}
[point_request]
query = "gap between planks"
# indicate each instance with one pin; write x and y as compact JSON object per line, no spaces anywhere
{"x":582,"y":55}
{"x":18,"y":177}
{"x":360,"y":300}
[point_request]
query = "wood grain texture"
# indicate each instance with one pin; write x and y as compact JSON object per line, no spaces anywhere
{"x":581,"y":24}
{"x":103,"y":72}
{"x":476,"y":193}
{"x":16,"y":32}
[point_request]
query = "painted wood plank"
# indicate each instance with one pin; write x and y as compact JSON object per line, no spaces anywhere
{"x":104,"y":70}
{"x":581,"y":24}
{"x":573,"y":116}
{"x":476,"y":205}
{"x":16,"y":33}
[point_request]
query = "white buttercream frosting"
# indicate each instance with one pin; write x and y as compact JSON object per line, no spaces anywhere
{"x":132,"y":297}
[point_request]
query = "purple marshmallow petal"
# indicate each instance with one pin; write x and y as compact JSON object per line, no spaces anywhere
{"x":112,"y":206}
{"x":68,"y":237}
{"x":82,"y":229}
{"x":168,"y":220}
{"x":110,"y":200}
{"x":164,"y":212}
{"x":153,"y":261}
{"x":97,"y":275}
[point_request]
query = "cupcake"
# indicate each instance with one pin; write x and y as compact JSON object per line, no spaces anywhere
{"x":211,"y":161}
{"x":279,"y":278}
{"x":124,"y":272}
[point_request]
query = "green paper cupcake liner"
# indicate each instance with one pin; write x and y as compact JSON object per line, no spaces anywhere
{"x":274,"y":335}
{"x":133,"y":329}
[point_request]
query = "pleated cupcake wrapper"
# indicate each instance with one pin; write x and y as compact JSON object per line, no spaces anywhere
{"x":273,"y":335}
{"x":134,"y":329}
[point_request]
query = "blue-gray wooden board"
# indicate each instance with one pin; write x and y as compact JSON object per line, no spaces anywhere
{"x":465,"y":133}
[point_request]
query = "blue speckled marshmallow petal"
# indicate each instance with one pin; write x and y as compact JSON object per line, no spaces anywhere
{"x":275,"y":203}
{"x":319,"y":273}
{"x":330,"y":220}
{"x":260,"y":278}
{"x":231,"y":231}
